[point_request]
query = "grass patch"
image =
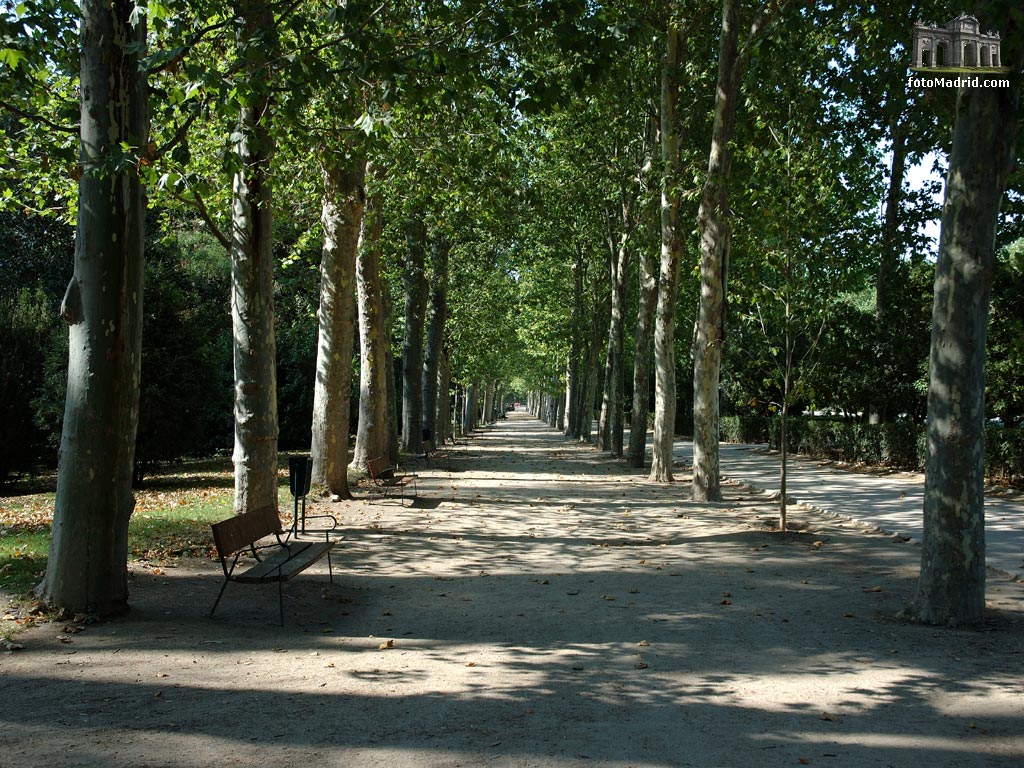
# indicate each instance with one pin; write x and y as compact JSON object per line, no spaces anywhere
{"x":172,"y":517}
{"x":22,"y":560}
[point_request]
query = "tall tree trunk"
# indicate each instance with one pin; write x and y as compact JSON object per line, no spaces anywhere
{"x":372,"y":431}
{"x":444,"y":412}
{"x":616,"y":333}
{"x":394,"y":376}
{"x":951,"y":589}
{"x":489,"y":401}
{"x":87,"y":566}
{"x":437,"y":316}
{"x":342,"y":215}
{"x":610,"y":426}
{"x":668,"y":280}
{"x":573,"y":372}
{"x":569,"y":427}
{"x":601,"y":441}
{"x":414,"y":279}
{"x":252,"y":274}
{"x":714,"y":228}
{"x":468,"y":407}
{"x":642,"y":359}
{"x":592,"y":369}
{"x":475,"y":404}
{"x":889,"y":257}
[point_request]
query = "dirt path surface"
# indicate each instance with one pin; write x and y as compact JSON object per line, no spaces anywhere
{"x":542,"y":606}
{"x":891,"y":501}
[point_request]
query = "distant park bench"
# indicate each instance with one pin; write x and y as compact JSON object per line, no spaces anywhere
{"x":385,"y":478}
{"x":431,"y":454}
{"x":278,"y":560}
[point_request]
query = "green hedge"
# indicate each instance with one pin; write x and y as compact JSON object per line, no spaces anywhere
{"x":744,"y":429}
{"x":899,"y":445}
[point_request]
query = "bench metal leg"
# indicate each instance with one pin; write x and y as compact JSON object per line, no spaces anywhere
{"x":219,"y":596}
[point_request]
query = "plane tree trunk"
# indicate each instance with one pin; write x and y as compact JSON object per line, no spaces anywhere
{"x":668,"y":278}
{"x":437,"y":316}
{"x":372,"y":431}
{"x":252,"y":275}
{"x":414,"y":278}
{"x":714,"y":228}
{"x":951,"y":587}
{"x":341,"y":216}
{"x":87,"y":566}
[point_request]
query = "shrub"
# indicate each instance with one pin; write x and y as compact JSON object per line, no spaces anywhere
{"x":27,"y":321}
{"x":900,"y":445}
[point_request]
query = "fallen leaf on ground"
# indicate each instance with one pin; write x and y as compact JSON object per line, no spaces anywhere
{"x":386,"y":645}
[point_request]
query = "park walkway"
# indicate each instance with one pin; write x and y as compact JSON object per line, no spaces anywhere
{"x":541,"y":607}
{"x":893,"y":502}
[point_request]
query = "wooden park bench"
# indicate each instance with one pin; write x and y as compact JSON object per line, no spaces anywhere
{"x":278,"y":560}
{"x":430,"y":454}
{"x":385,"y":478}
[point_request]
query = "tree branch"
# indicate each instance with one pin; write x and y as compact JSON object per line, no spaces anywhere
{"x":38,"y":119}
{"x":195,"y":201}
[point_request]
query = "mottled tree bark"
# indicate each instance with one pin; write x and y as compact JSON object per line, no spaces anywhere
{"x":592,"y":369}
{"x":87,"y":566}
{"x":714,"y":228}
{"x":444,"y":407}
{"x":252,"y":274}
{"x":610,"y":433}
{"x":341,"y":217}
{"x":715,"y":232}
{"x":668,"y":279}
{"x":437,"y":316}
{"x":414,"y":280}
{"x":372,"y":431}
{"x":648,"y":272}
{"x":890,"y":253}
{"x":468,"y":408}
{"x":951,"y":589}
{"x":394,"y":369}
{"x":573,"y":365}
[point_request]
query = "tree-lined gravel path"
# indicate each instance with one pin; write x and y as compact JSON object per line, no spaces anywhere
{"x":542,"y":606}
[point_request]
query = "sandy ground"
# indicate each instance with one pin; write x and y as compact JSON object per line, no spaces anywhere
{"x":540,"y":606}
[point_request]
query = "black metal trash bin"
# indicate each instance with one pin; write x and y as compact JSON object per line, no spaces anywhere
{"x":300,"y":475}
{"x":300,"y":479}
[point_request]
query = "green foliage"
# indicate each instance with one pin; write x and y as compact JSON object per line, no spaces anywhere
{"x":185,"y":400}
{"x":26,"y":321}
{"x":744,"y":429}
{"x":897,"y":444}
{"x":296,"y":299}
{"x":34,"y":268}
{"x":1004,"y":370}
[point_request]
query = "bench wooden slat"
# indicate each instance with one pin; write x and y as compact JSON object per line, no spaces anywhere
{"x":240,"y":531}
{"x":281,"y":566}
